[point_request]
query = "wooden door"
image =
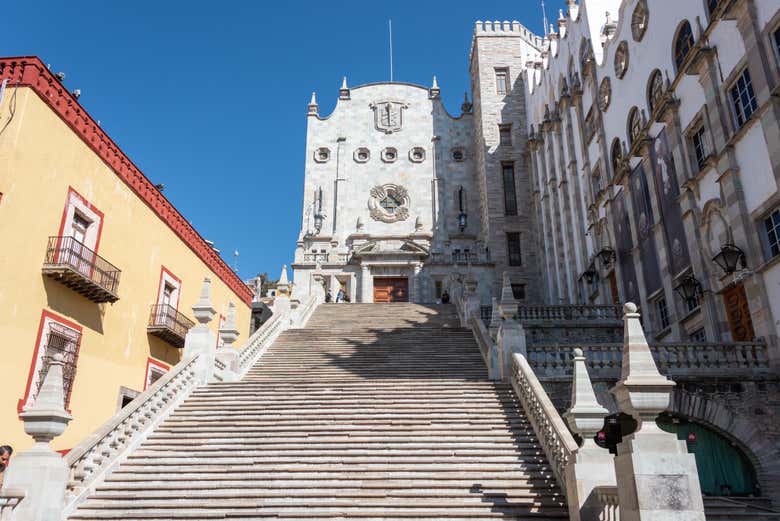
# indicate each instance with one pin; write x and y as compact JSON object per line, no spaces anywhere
{"x":391,"y":289}
{"x":738,"y":314}
{"x":613,"y":289}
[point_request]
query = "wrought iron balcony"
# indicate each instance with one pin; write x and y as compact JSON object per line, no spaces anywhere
{"x":72,"y":263}
{"x":167,"y":323}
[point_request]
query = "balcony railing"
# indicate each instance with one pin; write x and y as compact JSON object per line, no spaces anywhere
{"x":72,"y":263}
{"x":679,"y":360}
{"x":569,"y":312}
{"x":167,"y":323}
{"x":463,"y":257}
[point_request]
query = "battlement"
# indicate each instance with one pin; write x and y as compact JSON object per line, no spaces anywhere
{"x":506,"y":28}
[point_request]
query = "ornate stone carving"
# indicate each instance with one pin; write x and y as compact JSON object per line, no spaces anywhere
{"x":389,"y":203}
{"x":388,"y":115}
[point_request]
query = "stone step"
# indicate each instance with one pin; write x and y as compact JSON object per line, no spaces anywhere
{"x":147,"y":466}
{"x":413,"y":485}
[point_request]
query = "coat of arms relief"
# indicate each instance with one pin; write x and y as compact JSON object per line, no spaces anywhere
{"x":388,"y":115}
{"x":389,"y":203}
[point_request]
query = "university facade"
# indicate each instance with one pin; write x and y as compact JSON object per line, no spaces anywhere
{"x":621,"y":157}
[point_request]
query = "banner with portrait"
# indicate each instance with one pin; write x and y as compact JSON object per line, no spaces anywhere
{"x":623,"y":247}
{"x":643,"y":217}
{"x":668,"y":193}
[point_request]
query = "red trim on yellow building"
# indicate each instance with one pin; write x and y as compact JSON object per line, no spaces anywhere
{"x":89,"y":205}
{"x":166,"y":271}
{"x":30,"y":71}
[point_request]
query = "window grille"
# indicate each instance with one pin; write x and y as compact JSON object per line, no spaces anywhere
{"x":63,"y":340}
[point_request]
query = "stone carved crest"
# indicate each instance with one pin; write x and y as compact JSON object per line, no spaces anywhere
{"x":389,"y":203}
{"x":388,"y":115}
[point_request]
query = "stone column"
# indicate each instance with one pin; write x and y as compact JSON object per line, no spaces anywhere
{"x":365,"y":284}
{"x":227,"y":354}
{"x":200,"y":340}
{"x":417,"y":285}
{"x":592,"y":466}
{"x":510,"y":338}
{"x":656,"y":477}
{"x":40,"y":471}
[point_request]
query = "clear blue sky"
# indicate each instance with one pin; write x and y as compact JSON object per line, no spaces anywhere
{"x":210,"y":98}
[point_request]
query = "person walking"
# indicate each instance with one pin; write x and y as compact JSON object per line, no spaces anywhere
{"x":445,"y":297}
{"x":340,"y":296}
{"x":328,"y":296}
{"x":5,"y":457}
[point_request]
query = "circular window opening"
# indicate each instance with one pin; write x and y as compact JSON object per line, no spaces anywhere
{"x":417,"y":154}
{"x":362,"y":155}
{"x":458,"y":155}
{"x":389,"y":155}
{"x":322,"y":154}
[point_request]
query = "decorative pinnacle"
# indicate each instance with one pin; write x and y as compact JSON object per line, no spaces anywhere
{"x":586,"y":414}
{"x":313,"y":107}
{"x":203,"y":309}
{"x":47,"y":418}
{"x":434,"y":91}
{"x":229,"y":332}
{"x":344,"y":90}
{"x":435,"y":83}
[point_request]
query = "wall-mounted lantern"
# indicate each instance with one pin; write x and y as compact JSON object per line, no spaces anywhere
{"x":728,"y":257}
{"x":688,"y":288}
{"x":607,"y":255}
{"x":462,"y":216}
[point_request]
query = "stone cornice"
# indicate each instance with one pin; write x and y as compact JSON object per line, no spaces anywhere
{"x":29,"y":71}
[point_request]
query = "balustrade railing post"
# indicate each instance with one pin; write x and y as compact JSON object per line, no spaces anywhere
{"x":591,"y":466}
{"x":40,"y":471}
{"x":200,"y":340}
{"x":656,"y":477}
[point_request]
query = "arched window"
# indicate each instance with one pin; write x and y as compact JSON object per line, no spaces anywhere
{"x":616,"y":154}
{"x":634,"y":125}
{"x":621,"y":59}
{"x":683,"y":43}
{"x":655,"y":89}
{"x":639,"y":21}
{"x":586,"y":55}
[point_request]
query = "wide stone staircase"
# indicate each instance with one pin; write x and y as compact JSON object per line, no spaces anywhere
{"x":373,"y":411}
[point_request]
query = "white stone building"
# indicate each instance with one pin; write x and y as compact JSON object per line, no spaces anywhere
{"x":399,"y":194}
{"x":655,"y":155}
{"x":621,"y":157}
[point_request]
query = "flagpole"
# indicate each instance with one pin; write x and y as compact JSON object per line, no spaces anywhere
{"x":390,"y":29}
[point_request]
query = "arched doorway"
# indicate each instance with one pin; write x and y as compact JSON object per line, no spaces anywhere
{"x":723,"y":468}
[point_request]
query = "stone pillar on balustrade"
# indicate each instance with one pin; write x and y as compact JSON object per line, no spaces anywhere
{"x":282,"y":304}
{"x":200,"y":340}
{"x":656,"y":477}
{"x":40,"y":472}
{"x":592,"y":466}
{"x":510,"y":338}
{"x":227,"y":353}
{"x":470,"y":297}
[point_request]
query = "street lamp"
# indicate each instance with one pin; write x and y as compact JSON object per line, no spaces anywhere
{"x":590,"y":274}
{"x":462,"y":218}
{"x":607,"y":255}
{"x":728,"y":257}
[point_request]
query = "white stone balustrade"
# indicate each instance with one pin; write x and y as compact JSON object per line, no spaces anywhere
{"x":608,"y":500}
{"x":673,"y":359}
{"x":554,"y":437}
{"x":9,"y":500}
{"x":568,"y":312}
{"x":99,"y":454}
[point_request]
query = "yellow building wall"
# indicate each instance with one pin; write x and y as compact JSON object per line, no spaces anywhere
{"x":40,"y":158}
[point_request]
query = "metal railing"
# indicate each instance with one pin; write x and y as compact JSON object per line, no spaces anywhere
{"x":673,"y":359}
{"x":167,"y":316}
{"x":68,"y":252}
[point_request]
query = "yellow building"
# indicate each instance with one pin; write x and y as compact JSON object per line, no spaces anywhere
{"x":96,"y":262}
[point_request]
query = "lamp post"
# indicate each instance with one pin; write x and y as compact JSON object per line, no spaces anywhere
{"x":462,"y":221}
{"x":728,"y":257}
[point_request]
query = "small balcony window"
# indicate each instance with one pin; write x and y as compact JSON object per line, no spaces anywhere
{"x":166,"y":323}
{"x":69,"y":261}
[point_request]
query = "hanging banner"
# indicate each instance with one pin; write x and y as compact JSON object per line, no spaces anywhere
{"x":643,"y":217}
{"x":668,"y":193}
{"x":623,"y":248}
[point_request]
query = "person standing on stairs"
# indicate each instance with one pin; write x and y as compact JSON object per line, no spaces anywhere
{"x":340,"y":296}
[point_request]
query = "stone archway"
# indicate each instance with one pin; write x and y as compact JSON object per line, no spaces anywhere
{"x":747,"y":434}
